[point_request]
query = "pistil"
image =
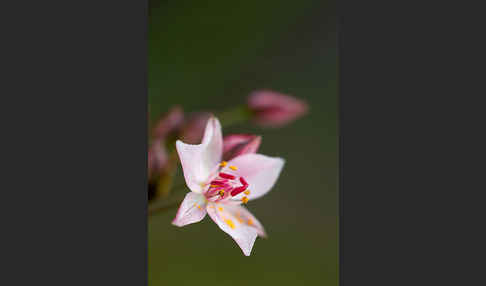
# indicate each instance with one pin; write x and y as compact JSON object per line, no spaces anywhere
{"x":226,"y":186}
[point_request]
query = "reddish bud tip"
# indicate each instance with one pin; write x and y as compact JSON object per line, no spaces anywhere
{"x":239,"y":144}
{"x":192,"y":129}
{"x":273,"y":109}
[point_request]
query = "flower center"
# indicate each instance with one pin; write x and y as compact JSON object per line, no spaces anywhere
{"x":227,"y":186}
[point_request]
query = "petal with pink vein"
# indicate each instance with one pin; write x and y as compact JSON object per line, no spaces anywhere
{"x":226,"y":219}
{"x":260,"y":171}
{"x":191,"y":210}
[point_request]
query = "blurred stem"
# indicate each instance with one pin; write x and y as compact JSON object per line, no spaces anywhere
{"x":234,"y":116}
{"x":163,"y":181}
{"x":157,"y":208}
{"x":161,"y":205}
{"x":162,"y":209}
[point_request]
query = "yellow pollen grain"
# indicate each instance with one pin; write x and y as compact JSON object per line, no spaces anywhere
{"x":230,"y":223}
{"x":250,"y":221}
{"x":234,"y":168}
{"x":199,"y":207}
{"x":239,"y":219}
{"x":223,"y":163}
{"x":220,"y":209}
{"x":214,"y":186}
{"x":247,"y":192}
{"x":244,"y":200}
{"x":221,"y":193}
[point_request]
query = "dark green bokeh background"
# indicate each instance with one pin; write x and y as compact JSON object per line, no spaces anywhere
{"x":208,"y":55}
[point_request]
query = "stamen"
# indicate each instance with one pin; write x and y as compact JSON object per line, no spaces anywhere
{"x":247,"y":192}
{"x":227,"y":176}
{"x":243,"y":181}
{"x":250,"y":221}
{"x":219,"y":183}
{"x":244,"y":200}
{"x":220,"y":209}
{"x":234,"y":168}
{"x":221,"y":192}
{"x":223,"y":163}
{"x":238,"y":190}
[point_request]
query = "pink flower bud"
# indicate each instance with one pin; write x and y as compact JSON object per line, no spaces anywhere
{"x":239,"y":144}
{"x":273,"y":109}
{"x":157,"y":158}
{"x":169,"y":123}
{"x":192,"y":130}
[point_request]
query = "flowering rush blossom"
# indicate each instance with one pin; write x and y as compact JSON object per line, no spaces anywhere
{"x":218,"y":188}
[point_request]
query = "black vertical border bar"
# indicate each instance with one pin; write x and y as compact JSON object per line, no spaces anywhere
{"x":411,"y":142}
{"x":74,"y":102}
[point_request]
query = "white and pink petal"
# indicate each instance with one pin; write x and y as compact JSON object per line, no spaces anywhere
{"x":226,"y":217}
{"x":245,"y":217}
{"x":191,"y":210}
{"x":199,"y":162}
{"x":260,"y":171}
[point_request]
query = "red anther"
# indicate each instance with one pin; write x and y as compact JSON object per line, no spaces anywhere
{"x":212,"y":193}
{"x":218,"y":183}
{"x":227,"y":176}
{"x":238,"y":190}
{"x":243,"y":182}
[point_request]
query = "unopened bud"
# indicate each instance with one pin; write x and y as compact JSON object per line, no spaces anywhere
{"x":239,"y":144}
{"x":273,"y":109}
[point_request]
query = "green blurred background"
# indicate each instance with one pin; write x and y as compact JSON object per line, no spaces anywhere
{"x":208,"y":55}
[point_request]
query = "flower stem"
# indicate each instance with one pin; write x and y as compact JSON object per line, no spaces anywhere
{"x":234,"y":116}
{"x":161,"y":209}
{"x":156,"y":207}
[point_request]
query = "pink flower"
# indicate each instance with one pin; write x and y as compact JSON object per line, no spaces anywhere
{"x":239,"y":144}
{"x":219,"y":188}
{"x":273,"y":109}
